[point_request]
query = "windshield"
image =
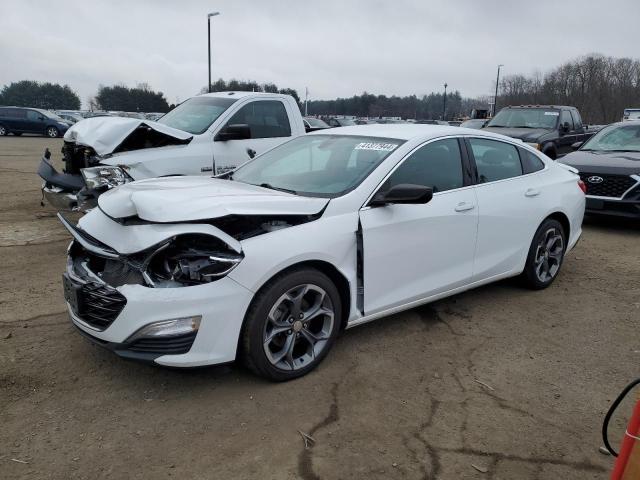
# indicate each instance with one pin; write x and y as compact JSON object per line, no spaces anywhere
{"x":525,"y":118}
{"x":615,"y":138}
{"x":196,"y":114}
{"x":317,"y":165}
{"x":316,"y":122}
{"x":52,"y":115}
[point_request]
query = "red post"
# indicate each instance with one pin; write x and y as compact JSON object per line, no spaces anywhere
{"x":627,"y":466}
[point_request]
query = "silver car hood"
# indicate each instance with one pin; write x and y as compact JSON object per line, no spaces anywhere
{"x":106,"y":134}
{"x":184,"y":199}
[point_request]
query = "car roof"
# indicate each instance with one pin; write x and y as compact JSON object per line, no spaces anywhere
{"x":541,"y":106}
{"x":236,"y":94}
{"x":407,"y":131}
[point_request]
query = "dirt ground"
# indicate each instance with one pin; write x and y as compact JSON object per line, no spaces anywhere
{"x":497,"y":383}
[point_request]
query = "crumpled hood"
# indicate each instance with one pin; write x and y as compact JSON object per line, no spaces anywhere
{"x":105,"y":134}
{"x":524,"y":134}
{"x":183,"y":199}
{"x":618,"y":163}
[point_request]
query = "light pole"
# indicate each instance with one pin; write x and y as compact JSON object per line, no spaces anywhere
{"x":495,"y":98}
{"x":306,"y":99}
{"x":444,"y":105}
{"x":209,"y":15}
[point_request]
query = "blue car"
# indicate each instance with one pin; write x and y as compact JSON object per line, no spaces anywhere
{"x":18,"y":120}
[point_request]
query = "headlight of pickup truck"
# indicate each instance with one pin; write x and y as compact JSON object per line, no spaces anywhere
{"x":534,"y":145}
{"x":100,"y":177}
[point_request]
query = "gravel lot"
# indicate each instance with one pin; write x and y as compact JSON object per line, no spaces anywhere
{"x":497,"y":383}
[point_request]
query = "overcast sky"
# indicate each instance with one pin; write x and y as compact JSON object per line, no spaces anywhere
{"x":333,"y":47}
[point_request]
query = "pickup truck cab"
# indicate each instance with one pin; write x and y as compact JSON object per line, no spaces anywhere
{"x":205,"y":135}
{"x":551,"y":129}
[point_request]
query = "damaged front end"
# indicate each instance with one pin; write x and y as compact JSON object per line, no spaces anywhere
{"x":86,"y":145}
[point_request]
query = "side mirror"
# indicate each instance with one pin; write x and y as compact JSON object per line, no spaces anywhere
{"x":565,"y":127}
{"x":42,"y":117}
{"x":240,"y":131}
{"x":406,"y":193}
{"x":577,"y":145}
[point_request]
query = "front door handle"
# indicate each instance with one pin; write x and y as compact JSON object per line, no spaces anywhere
{"x":464,"y":206}
{"x":532,"y":192}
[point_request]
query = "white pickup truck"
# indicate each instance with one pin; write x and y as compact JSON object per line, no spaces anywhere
{"x":205,"y":135}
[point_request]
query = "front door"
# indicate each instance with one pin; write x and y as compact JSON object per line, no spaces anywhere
{"x":269,"y":125}
{"x":414,"y":251}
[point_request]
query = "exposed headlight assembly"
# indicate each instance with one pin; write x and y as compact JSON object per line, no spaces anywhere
{"x":104,"y":177}
{"x":534,"y":145}
{"x":191,"y":260}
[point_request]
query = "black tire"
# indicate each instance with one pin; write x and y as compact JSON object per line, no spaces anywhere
{"x":256,"y":325}
{"x":551,"y":153}
{"x":3,"y":131}
{"x":52,"y":132}
{"x":533,"y":274}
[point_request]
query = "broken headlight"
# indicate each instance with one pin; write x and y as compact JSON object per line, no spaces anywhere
{"x":104,"y":177}
{"x":191,"y":260}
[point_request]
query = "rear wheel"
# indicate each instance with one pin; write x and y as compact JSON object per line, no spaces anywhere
{"x":52,"y":132}
{"x":545,"y":255}
{"x":291,"y":325}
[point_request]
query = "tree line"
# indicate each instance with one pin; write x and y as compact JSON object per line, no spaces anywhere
{"x":600,"y":87}
{"x":431,"y":106}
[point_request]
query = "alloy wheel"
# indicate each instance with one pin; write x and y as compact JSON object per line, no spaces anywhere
{"x":549,"y":254}
{"x":298,"y":327}
{"x":3,"y":131}
{"x":52,"y":132}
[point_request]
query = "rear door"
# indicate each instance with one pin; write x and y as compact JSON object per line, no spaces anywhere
{"x":269,"y":124}
{"x":510,"y":194}
{"x":415,"y":251}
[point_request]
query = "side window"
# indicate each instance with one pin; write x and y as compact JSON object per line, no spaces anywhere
{"x":495,"y":160}
{"x":565,"y":117}
{"x":577,"y":121}
{"x":437,"y":165}
{"x":33,"y":115}
{"x":530,"y":162}
{"x":266,"y":119}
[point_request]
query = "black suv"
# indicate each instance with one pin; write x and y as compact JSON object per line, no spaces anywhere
{"x":551,"y":129}
{"x":19,"y":120}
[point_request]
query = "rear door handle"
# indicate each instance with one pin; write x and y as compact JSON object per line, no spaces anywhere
{"x":532,"y":192}
{"x":464,"y":206}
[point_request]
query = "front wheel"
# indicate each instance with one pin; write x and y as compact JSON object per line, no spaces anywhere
{"x":3,"y":131}
{"x":291,"y":325}
{"x":545,"y":255}
{"x":52,"y":132}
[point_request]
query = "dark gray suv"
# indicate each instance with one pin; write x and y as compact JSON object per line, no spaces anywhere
{"x":18,"y":120}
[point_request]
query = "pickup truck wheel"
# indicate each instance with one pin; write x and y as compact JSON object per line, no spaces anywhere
{"x":52,"y":132}
{"x":3,"y":130}
{"x":291,"y":325}
{"x":546,"y":254}
{"x":551,"y":153}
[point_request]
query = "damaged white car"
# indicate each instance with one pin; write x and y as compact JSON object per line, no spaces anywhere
{"x":207,"y":134}
{"x":328,"y":231}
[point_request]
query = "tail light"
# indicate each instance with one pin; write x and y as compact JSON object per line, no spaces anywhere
{"x":583,"y":186}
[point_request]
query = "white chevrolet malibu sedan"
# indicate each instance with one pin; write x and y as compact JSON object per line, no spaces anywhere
{"x":327,"y":231}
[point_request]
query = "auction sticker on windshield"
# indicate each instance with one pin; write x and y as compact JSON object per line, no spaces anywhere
{"x":378,"y":147}
{"x":554,"y":114}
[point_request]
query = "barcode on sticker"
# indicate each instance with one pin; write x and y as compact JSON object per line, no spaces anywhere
{"x":378,"y":147}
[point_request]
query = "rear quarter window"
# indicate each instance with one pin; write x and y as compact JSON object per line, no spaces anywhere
{"x":530,"y":161}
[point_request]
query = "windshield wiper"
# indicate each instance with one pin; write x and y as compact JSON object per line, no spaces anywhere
{"x":271,"y":187}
